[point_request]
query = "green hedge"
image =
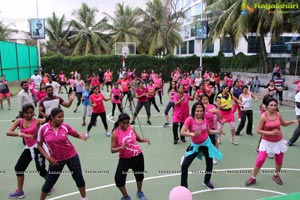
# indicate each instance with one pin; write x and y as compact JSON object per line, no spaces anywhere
{"x":88,"y":64}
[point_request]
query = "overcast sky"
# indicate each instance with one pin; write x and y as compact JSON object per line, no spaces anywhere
{"x":18,"y":11}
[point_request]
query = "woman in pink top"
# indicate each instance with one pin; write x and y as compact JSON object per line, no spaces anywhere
{"x":272,"y":140}
{"x":28,"y":129}
{"x":158,"y":83}
{"x":116,"y":100}
{"x":98,"y":109}
{"x":71,"y":82}
{"x":171,"y":92}
{"x":125,"y":141}
{"x":180,"y":112}
{"x":196,"y":127}
{"x":61,"y":152}
{"x":151,"y":95}
{"x":39,"y":95}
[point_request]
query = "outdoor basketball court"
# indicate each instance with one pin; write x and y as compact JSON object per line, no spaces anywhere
{"x":161,"y":163}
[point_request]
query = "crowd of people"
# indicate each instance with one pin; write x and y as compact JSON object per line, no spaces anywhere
{"x":215,"y":99}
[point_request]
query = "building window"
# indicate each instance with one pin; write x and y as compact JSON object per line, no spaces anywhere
{"x":254,"y":44}
{"x":184,"y":48}
{"x":226,"y":46}
{"x":177,"y":50}
{"x":198,"y":9}
{"x":280,"y":46}
{"x":208,"y":48}
{"x":191,"y":46}
{"x":192,"y":32}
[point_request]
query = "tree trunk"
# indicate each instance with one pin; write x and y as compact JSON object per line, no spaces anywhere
{"x":264,"y":52}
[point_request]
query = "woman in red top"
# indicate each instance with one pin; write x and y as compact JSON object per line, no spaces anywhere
{"x":28,"y":129}
{"x":141,"y":94}
{"x":98,"y":109}
{"x":272,"y":140}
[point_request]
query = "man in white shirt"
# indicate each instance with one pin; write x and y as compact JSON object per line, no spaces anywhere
{"x":296,"y":134}
{"x":55,"y":85}
{"x":24,"y":96}
{"x":37,"y":79}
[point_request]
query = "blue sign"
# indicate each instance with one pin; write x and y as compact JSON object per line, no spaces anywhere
{"x":201,"y":30}
{"x":37,"y":28}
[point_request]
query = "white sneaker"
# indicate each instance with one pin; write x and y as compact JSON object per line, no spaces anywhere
{"x":233,"y":141}
{"x":87,"y":135}
{"x":107,"y":134}
{"x":112,"y":118}
{"x":215,"y":161}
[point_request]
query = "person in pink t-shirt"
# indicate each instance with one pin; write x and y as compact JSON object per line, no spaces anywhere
{"x":28,"y":129}
{"x":98,"y":109}
{"x":125,"y":141}
{"x":272,"y":142}
{"x":61,"y":152}
{"x":196,"y":127}
{"x":180,"y":112}
{"x":171,"y":92}
{"x":141,"y":93}
{"x":116,"y":99}
{"x":151,"y":95}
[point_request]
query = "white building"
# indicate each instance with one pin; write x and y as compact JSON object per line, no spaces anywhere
{"x":191,"y":46}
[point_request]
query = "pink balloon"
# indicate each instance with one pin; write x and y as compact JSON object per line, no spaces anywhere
{"x":180,"y":193}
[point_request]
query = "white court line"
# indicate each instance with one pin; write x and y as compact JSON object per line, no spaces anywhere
{"x":238,"y":188}
{"x":196,"y":192}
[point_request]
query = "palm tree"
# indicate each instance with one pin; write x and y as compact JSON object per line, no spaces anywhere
{"x":5,"y":31}
{"x":261,"y":22}
{"x":160,"y":27}
{"x":125,"y":24}
{"x":86,"y":34}
{"x":57,"y":32}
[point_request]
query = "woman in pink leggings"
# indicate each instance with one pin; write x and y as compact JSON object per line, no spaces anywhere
{"x":272,"y":141}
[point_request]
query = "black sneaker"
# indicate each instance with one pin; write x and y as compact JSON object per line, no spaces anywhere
{"x":175,"y":142}
{"x":148,"y":122}
{"x":166,"y":125}
{"x":75,"y":111}
{"x":132,"y":123}
{"x":183,"y":140}
{"x":209,"y":185}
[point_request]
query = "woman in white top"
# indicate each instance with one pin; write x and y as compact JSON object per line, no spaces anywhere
{"x":246,"y":109}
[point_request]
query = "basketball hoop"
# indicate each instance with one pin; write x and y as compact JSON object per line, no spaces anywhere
{"x":125,"y":51}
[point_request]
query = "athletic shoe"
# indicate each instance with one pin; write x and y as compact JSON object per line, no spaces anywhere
{"x":126,"y":198}
{"x":83,"y":124}
{"x":290,"y":144}
{"x":75,"y":111}
{"x":87,"y":135}
{"x":215,"y":161}
{"x":237,"y":134}
{"x":9,"y":108}
{"x":277,"y":179}
{"x":51,"y":191}
{"x":209,"y":185}
{"x":175,"y":141}
{"x":16,"y":194}
{"x":132,"y":123}
{"x":149,"y":123}
{"x":233,"y":141}
{"x":250,"y":181}
{"x":183,"y":140}
{"x":107,"y":134}
{"x":166,"y":125}
{"x":140,"y":195}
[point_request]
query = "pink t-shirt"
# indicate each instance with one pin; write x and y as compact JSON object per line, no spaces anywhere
{"x":185,"y":83}
{"x":270,"y":125}
{"x":116,"y":95}
{"x":98,"y":99}
{"x":95,"y":82}
{"x":144,"y":76}
{"x":194,"y":126}
{"x":32,"y":130}
{"x":157,"y":82}
{"x":62,"y":78}
{"x":152,"y":76}
{"x":139,"y":92}
{"x":132,"y":146}
{"x":210,"y":117}
{"x":31,"y":88}
{"x":39,"y":95}
{"x":124,"y":84}
{"x":171,"y":95}
{"x":72,"y":82}
{"x":151,"y":91}
{"x":59,"y":145}
{"x":181,"y":110}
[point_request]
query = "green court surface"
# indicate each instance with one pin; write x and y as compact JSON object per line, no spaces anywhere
{"x":162,"y":160}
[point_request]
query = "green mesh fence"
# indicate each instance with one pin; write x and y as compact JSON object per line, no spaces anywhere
{"x":17,"y":61}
